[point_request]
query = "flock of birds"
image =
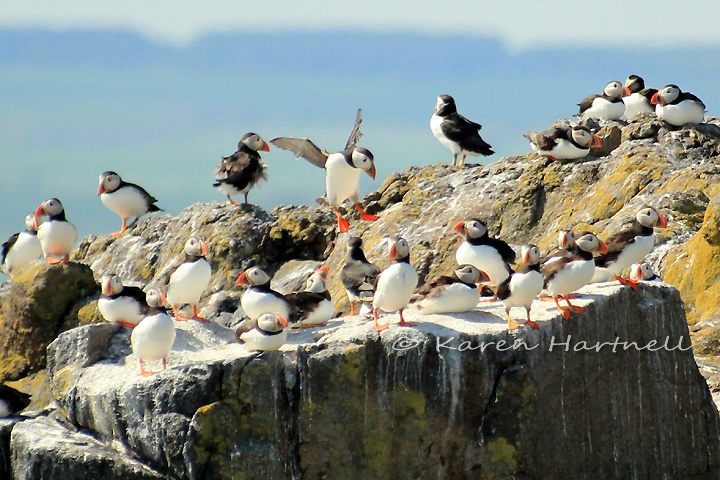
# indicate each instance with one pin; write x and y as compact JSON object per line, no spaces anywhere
{"x":483,"y":260}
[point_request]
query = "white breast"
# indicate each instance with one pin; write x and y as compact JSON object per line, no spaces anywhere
{"x":257,"y":341}
{"x":255,"y":302}
{"x":188,"y":282}
{"x":126,"y":202}
{"x":57,"y":238}
{"x":684,"y":112}
{"x":26,"y":250}
{"x":524,"y":288}
{"x":4,"y":409}
{"x":571,"y":277}
{"x":601,"y":108}
{"x":121,"y":309}
{"x":436,"y":127}
{"x":342,"y":181}
{"x":483,"y":258}
{"x":565,"y":150}
{"x":153,"y":337}
{"x":454,"y":298}
{"x":636,"y":104}
{"x":634,"y":252}
{"x":396,"y":285}
{"x":322,"y":313}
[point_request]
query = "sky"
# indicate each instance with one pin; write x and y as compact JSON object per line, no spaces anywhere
{"x":159,"y":91}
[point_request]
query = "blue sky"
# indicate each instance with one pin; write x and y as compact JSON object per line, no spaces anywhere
{"x":160,"y":95}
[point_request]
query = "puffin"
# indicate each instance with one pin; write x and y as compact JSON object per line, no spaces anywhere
{"x":490,"y":255}
{"x":607,"y":105}
{"x":242,"y":170}
{"x":629,"y":246}
{"x":342,"y":169}
{"x":523,"y":286}
{"x":450,"y":294}
{"x":637,"y":98}
{"x":313,"y":306}
{"x":457,"y":133}
{"x":124,"y":305}
{"x":56,"y":235}
{"x":265,"y":333}
{"x":188,"y":280}
{"x":566,"y":244}
{"x":395,"y":284}
{"x":259,"y":298}
{"x":358,"y":275}
{"x":21,"y":249}
{"x":643,"y":271}
{"x":126,"y":199}
{"x":677,"y":107}
{"x":573,"y":271}
{"x":12,"y":401}
{"x":564,"y":143}
{"x":153,"y":337}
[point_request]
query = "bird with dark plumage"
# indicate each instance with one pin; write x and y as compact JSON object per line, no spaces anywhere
{"x":312,"y":306}
{"x":455,"y":293}
{"x":523,"y":286}
{"x":243,"y":170}
{"x":358,"y":275}
{"x":677,"y":107}
{"x":12,"y":401}
{"x":490,"y":255}
{"x":126,"y":199}
{"x":342,"y":169}
{"x":121,"y":304}
{"x":265,"y":333}
{"x":395,"y":284}
{"x":564,"y":143}
{"x":637,"y":98}
{"x":607,"y":105}
{"x":259,"y":298}
{"x":56,"y":235}
{"x":21,"y":249}
{"x":456,"y":132}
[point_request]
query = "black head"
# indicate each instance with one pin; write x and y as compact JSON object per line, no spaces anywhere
{"x":445,"y":105}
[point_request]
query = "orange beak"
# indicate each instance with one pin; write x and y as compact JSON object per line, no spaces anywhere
{"x":627,"y":91}
{"x":265,"y":147}
{"x":163,"y":299}
{"x":101,"y":189}
{"x":563,"y":239}
{"x":637,"y":272}
{"x":526,"y":257}
{"x":654,"y":99}
{"x":38,"y":213}
{"x":205,"y":249}
{"x":603,"y":247}
{"x":393,"y":252}
{"x":596,"y":142}
{"x":662,"y":221}
{"x":460,"y":228}
{"x":483,"y":277}
{"x":106,"y":288}
{"x":282,"y":320}
{"x":324,"y":270}
{"x":242,"y":280}
{"x":372,"y":172}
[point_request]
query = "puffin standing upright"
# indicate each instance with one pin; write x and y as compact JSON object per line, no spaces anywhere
{"x":358,"y":275}
{"x":342,"y":169}
{"x":490,"y":255}
{"x":395,"y":284}
{"x":572,"y":271}
{"x":188,"y":281}
{"x":56,"y":235}
{"x":523,"y":286}
{"x":126,"y":199}
{"x":242,"y":170}
{"x":153,"y":337}
{"x":450,"y":294}
{"x":637,"y":98}
{"x":265,"y":333}
{"x":677,"y":107}
{"x":124,"y":305}
{"x":456,"y":132}
{"x":21,"y":249}
{"x":313,"y":306}
{"x":12,"y":401}
{"x":564,"y":143}
{"x":607,"y":105}
{"x":259,"y":298}
{"x":629,"y":246}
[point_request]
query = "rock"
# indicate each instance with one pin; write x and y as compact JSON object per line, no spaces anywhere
{"x":40,"y":303}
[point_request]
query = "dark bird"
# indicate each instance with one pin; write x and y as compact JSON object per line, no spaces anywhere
{"x":21,"y":249}
{"x":242,"y":170}
{"x":490,"y":255}
{"x":563,"y":143}
{"x":607,"y":105}
{"x":677,"y":107}
{"x":637,"y":98}
{"x":456,"y":132}
{"x":56,"y":235}
{"x":450,"y":294}
{"x":358,"y":275}
{"x":12,"y":401}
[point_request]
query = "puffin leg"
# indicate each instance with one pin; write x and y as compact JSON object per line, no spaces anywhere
{"x":233,"y":201}
{"x":246,"y":200}
{"x":196,"y":316}
{"x":178,"y":317}
{"x":352,"y":309}
{"x":122,"y":229}
{"x":126,"y":324}
{"x":512,"y":324}
{"x":627,"y":281}
{"x":462,"y":161}
{"x":402,"y":320}
{"x":133,"y":223}
{"x":364,"y":215}
{"x":454,"y":159}
{"x":53,"y":260}
{"x":529,"y":322}
{"x":576,"y":308}
{"x":164,"y":360}
{"x":143,"y":372}
{"x":564,"y":311}
{"x":343,"y":225}
{"x":379,"y":327}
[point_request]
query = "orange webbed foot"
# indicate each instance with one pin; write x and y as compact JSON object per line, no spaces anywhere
{"x":532,"y":325}
{"x":565,"y":312}
{"x":513,"y":325}
{"x":126,"y":324}
{"x":577,"y":309}
{"x":629,"y":282}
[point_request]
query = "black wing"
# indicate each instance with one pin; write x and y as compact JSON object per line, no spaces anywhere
{"x":648,"y":92}
{"x":149,"y":199}
{"x":458,"y":128}
{"x":432,"y":289}
{"x":7,"y":246}
{"x":550,"y":269}
{"x":547,"y":139}
{"x":355,"y":135}
{"x":587,"y":103}
{"x":690,"y":96}
{"x":505,"y":250}
{"x":503,"y":290}
{"x":302,"y":147}
{"x":245,"y":326}
{"x":616,"y":244}
{"x":16,"y":399}
{"x":302,"y":303}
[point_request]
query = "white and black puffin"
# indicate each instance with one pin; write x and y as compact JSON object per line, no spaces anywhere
{"x":523,"y":286}
{"x":607,"y":105}
{"x":124,"y":305}
{"x":152,"y":338}
{"x":455,"y":132}
{"x":188,"y":280}
{"x":12,"y":401}
{"x":643,"y":272}
{"x":637,"y":98}
{"x":259,"y":298}
{"x":572,"y":271}
{"x":56,"y":235}
{"x":21,"y":249}
{"x":395,"y":284}
{"x":490,"y":255}
{"x":358,"y":275}
{"x":564,"y":143}
{"x":243,"y":170}
{"x":342,"y":169}
{"x":126,"y":199}
{"x":629,"y":246}
{"x":265,"y":333}
{"x":312,"y":306}
{"x":677,"y":107}
{"x":450,"y":294}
